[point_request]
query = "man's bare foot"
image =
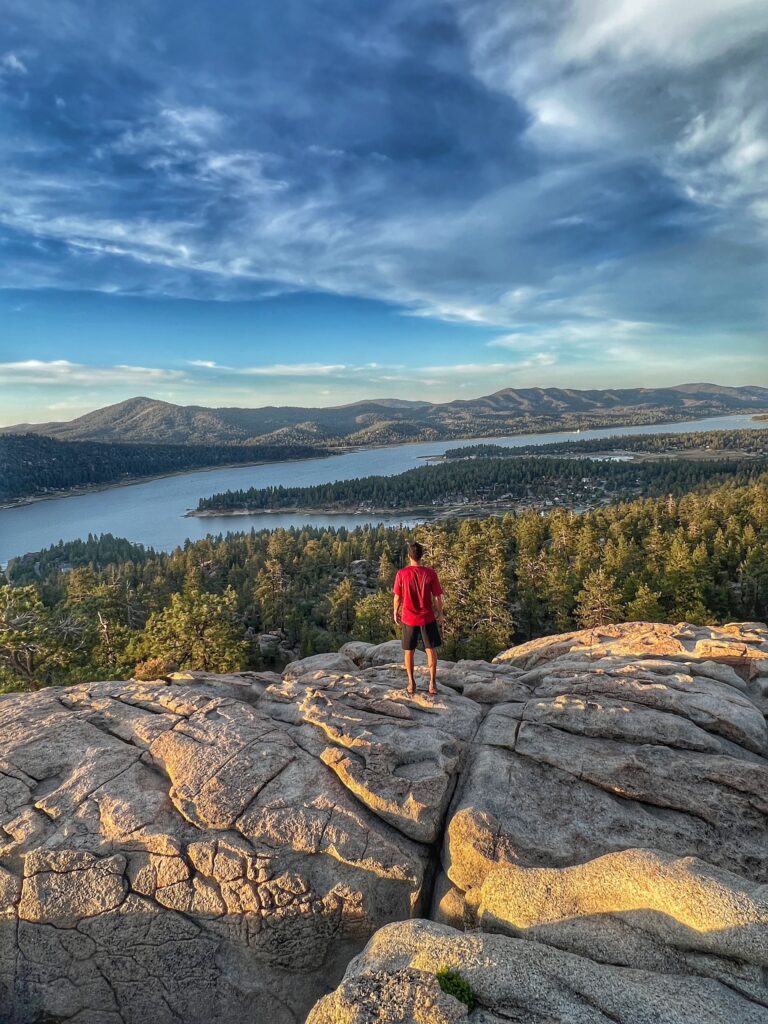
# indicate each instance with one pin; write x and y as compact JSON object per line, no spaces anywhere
{"x":411,"y":688}
{"x":432,"y":691}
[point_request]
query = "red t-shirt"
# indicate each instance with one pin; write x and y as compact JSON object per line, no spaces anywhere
{"x":417,"y":585}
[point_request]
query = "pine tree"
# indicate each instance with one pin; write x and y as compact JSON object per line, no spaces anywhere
{"x":598,"y":602}
{"x":198,"y":631}
{"x":342,"y":601}
{"x":386,"y":570}
{"x":645,"y":606}
{"x":271,"y":593}
{"x":373,"y":618}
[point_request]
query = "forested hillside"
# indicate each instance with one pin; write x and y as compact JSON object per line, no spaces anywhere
{"x":579,"y":482}
{"x":31,"y":465}
{"x":702,"y":557}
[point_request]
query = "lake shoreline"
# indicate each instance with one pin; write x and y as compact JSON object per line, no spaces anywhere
{"x":206,"y":513}
{"x":153,"y":511}
{"x":74,"y":492}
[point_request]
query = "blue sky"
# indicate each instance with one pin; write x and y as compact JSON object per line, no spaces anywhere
{"x":313,"y":202}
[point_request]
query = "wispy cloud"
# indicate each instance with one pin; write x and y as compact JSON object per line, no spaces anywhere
{"x":62,"y":372}
{"x":587,"y":330}
{"x":294,"y":370}
{"x":12,"y":64}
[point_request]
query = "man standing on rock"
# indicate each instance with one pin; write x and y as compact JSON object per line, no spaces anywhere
{"x":418,"y":595}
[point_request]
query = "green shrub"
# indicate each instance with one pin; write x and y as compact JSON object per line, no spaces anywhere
{"x":456,"y":986}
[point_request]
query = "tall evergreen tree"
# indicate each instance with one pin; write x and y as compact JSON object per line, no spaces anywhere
{"x":197,"y":631}
{"x":598,"y":602}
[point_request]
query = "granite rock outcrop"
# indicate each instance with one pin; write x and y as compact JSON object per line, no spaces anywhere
{"x":605,"y":857}
{"x":585,"y":820}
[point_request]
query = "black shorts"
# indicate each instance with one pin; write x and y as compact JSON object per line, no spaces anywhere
{"x":430,"y":636}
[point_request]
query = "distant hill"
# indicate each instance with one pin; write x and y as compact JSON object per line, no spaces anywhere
{"x":389,"y":421}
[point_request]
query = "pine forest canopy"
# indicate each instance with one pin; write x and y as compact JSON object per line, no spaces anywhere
{"x":753,"y":442}
{"x":95,"y":609}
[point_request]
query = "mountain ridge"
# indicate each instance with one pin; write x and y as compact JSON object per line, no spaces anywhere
{"x":389,"y":420}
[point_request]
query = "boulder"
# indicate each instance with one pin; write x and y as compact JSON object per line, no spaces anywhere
{"x":319,"y":663}
{"x":485,"y":683}
{"x":400,"y":756}
{"x":274,"y":647}
{"x":357,"y":651}
{"x":512,"y":979}
{"x":742,"y":645}
{"x":391,"y":653}
{"x":636,"y":908}
{"x":620,"y":811}
{"x":614,"y":752}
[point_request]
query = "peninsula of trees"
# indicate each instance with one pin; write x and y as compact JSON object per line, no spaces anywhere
{"x":748,"y":442}
{"x":490,"y":483}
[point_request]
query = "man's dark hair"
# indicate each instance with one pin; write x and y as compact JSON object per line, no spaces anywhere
{"x":415,"y":551}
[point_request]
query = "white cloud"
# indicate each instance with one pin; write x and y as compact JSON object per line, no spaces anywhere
{"x":485,"y":369}
{"x":568,"y":334}
{"x":244,"y":169}
{"x":12,"y":64}
{"x":450,"y":312}
{"x":62,"y":372}
{"x":189,"y":144}
{"x":681,"y":85}
{"x":278,"y":369}
{"x":688,"y":31}
{"x":169,"y":128}
{"x":294,"y":370}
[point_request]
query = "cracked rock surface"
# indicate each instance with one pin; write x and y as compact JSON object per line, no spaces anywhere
{"x":213,"y":848}
{"x":605,"y":856}
{"x":219,"y":848}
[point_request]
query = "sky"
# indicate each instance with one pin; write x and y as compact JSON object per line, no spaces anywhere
{"x":316,"y":201}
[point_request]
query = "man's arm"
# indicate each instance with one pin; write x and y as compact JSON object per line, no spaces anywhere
{"x":437,"y":600}
{"x":397,"y":604}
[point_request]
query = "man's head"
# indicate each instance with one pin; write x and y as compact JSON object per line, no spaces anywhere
{"x":415,"y":551}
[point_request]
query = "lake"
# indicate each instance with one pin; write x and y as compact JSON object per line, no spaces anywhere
{"x":152,"y":513}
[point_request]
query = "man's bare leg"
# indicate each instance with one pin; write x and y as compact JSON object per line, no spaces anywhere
{"x":408,"y":659}
{"x":432,"y":663}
